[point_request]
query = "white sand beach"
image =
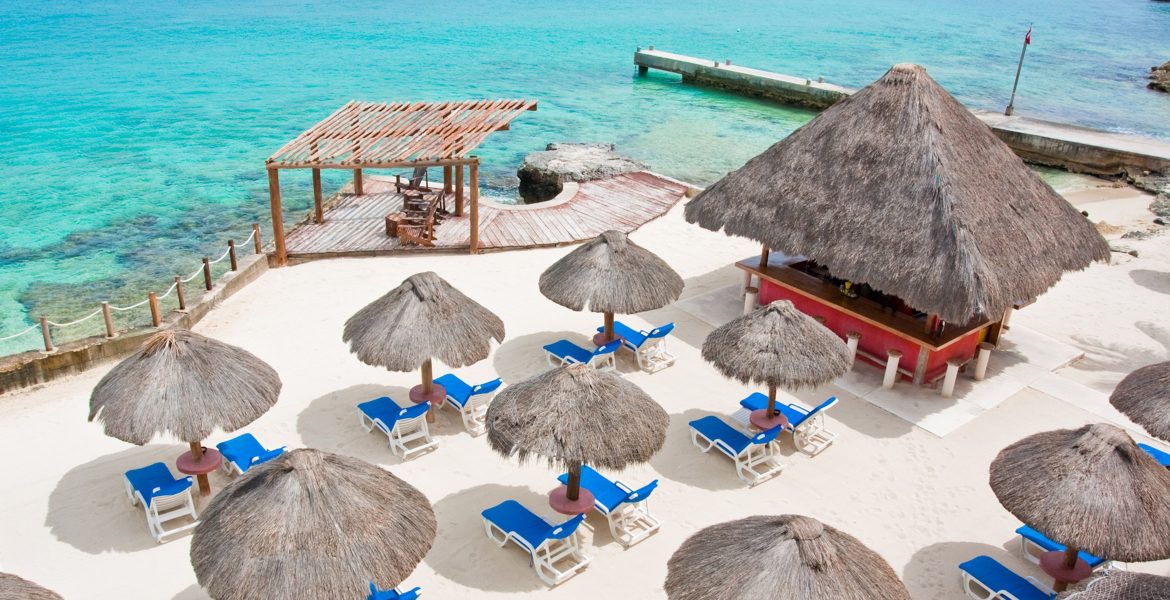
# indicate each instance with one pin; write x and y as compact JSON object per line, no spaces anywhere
{"x":922,"y":501}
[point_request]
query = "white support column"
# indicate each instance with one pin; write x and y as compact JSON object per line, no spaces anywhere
{"x":981,"y":362}
{"x":891,"y":368}
{"x":1007,"y":317}
{"x":749,"y":300}
{"x":948,"y":386}
{"x":851,"y":340}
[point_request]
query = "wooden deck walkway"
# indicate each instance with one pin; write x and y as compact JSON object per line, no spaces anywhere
{"x":355,"y":224}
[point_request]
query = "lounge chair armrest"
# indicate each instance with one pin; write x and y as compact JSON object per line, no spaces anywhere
{"x":566,"y":529}
{"x":724,"y":447}
{"x":625,"y":488}
{"x":798,"y":408}
{"x":270,"y":454}
{"x":1041,"y":586}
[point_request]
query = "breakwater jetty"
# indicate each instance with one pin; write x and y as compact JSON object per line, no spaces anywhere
{"x":1070,"y":147}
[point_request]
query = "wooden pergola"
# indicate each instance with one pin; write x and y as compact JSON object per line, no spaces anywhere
{"x":368,"y":135}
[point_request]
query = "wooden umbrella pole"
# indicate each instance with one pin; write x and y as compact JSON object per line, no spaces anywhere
{"x":197,"y":450}
{"x":764,"y":252}
{"x":427,"y":378}
{"x":772,"y":412}
{"x":204,"y":483}
{"x":608,"y":330}
{"x":573,"y":488}
{"x":1070,"y":562}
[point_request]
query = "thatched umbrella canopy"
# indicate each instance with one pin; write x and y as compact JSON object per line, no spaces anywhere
{"x":901,"y":187}
{"x":1114,"y":584}
{"x":576,"y":415}
{"x":186,"y":385}
{"x":777,"y":346}
{"x":1144,"y":397}
{"x":18,"y":588}
{"x":423,"y":318}
{"x":786,"y":556}
{"x":611,"y":274}
{"x":1089,"y":489}
{"x":311,"y":524}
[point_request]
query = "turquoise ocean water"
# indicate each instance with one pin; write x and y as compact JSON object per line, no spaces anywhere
{"x":134,"y":133}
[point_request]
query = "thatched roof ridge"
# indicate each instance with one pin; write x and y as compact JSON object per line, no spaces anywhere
{"x":577,"y":415}
{"x":899,"y":186}
{"x":610,"y":273}
{"x":1144,"y":397}
{"x":1091,"y":488}
{"x":787,"y":556}
{"x":13,"y":587}
{"x":1115,"y":584}
{"x":311,"y":524}
{"x":184,"y":384}
{"x":777,"y":345}
{"x":424,"y":317}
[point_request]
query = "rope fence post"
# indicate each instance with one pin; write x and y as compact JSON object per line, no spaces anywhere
{"x":179,"y":290}
{"x":256,"y":237}
{"x":155,"y":314}
{"x":45,"y":334}
{"x":109,"y":319}
{"x":207,"y":273}
{"x":232,"y":254}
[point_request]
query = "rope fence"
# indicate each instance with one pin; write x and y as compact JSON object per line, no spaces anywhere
{"x":106,"y":309}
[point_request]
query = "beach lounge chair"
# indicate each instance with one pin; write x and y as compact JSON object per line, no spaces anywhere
{"x":470,"y":400}
{"x":807,"y":426}
{"x":625,"y":508}
{"x":649,"y":347}
{"x":1034,"y":544}
{"x":1162,"y":457}
{"x":564,"y":352}
{"x":162,"y":497}
{"x":752,"y":455}
{"x":985,"y":579}
{"x":243,"y":451}
{"x":405,"y":427}
{"x":556,"y":554}
{"x":394,"y":594}
{"x":418,"y":180}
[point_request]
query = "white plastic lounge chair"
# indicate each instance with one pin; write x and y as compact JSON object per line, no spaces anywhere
{"x":244,"y":451}
{"x":406,"y":428}
{"x":564,"y":352}
{"x":752,"y":455}
{"x":807,"y":426}
{"x":1034,"y":544}
{"x":555,"y":552}
{"x":393,"y":594}
{"x":985,"y":579}
{"x":163,"y":498}
{"x":470,"y":400}
{"x":649,"y":347}
{"x":626,"y":509}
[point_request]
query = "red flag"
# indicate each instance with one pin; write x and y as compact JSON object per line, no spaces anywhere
{"x":1028,"y":36}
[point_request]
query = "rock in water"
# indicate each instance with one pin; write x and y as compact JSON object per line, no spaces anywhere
{"x":1160,"y":77}
{"x":543,"y":174}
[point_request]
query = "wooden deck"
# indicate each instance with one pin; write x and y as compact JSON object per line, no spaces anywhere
{"x":355,"y":224}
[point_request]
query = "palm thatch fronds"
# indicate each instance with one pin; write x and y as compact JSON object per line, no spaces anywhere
{"x":1144,"y":397}
{"x":577,"y":415}
{"x":183,"y":384}
{"x":13,"y":587}
{"x":1120,"y":585}
{"x":311,"y":524}
{"x":424,"y":317}
{"x":787,"y":556}
{"x":1090,"y":489}
{"x":899,"y":186}
{"x":611,"y":274}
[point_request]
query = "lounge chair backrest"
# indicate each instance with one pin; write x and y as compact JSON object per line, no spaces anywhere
{"x":820,"y":408}
{"x":608,"y":348}
{"x":566,"y":529}
{"x":642,"y":493}
{"x":417,"y":410}
{"x":765,"y":437}
{"x":487,"y":388}
{"x":660,"y":332}
{"x":420,"y":173}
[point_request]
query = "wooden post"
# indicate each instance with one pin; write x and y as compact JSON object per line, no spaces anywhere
{"x":232,"y":255}
{"x":920,"y":366}
{"x":772,"y":412}
{"x":447,"y":179}
{"x":458,"y":190}
{"x":45,"y":334}
{"x":1070,"y":562}
{"x":207,"y":273}
{"x":473,"y":174}
{"x":155,"y":313}
{"x":764,"y":258}
{"x":428,"y":386}
{"x":277,"y":217}
{"x":358,"y":186}
{"x":179,"y":291}
{"x":256,"y":238}
{"x":204,"y":484}
{"x":608,"y":327}
{"x":109,"y":319}
{"x":318,"y":208}
{"x":573,"y":487}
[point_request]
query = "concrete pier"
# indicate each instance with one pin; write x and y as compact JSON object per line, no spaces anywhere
{"x":1069,"y":147}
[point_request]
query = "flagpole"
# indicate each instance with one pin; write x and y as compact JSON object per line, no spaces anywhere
{"x":1019,"y":67}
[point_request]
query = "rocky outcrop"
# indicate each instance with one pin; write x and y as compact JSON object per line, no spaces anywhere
{"x":543,"y":174}
{"x":1160,"y":78}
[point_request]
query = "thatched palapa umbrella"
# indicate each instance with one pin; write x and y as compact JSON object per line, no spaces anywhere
{"x":423,"y":318}
{"x":787,"y":556}
{"x":576,"y":415}
{"x":13,"y":587}
{"x":311,"y":524}
{"x":186,"y":385}
{"x":1089,"y":489}
{"x":777,"y":346}
{"x":1144,"y":396}
{"x":901,"y":187}
{"x":610,"y":274}
{"x":1113,"y":584}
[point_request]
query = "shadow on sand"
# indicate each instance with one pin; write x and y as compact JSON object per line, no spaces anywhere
{"x":1152,"y":280}
{"x":331,"y":422}
{"x":933,"y":571}
{"x":681,"y":461}
{"x":192,"y":592}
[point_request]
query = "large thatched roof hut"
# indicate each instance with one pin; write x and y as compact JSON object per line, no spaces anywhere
{"x":13,"y":587}
{"x":1144,"y":397}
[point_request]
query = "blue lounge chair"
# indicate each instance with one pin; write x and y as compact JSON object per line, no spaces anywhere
{"x":405,"y":427}
{"x":626,"y":509}
{"x":564,"y":352}
{"x":244,"y":451}
{"x":470,"y":400}
{"x":984,"y":579}
{"x":162,"y":497}
{"x":807,"y":426}
{"x":1162,"y":457}
{"x":394,"y":594}
{"x":555,"y":551}
{"x":752,"y":455}
{"x":1034,"y":544}
{"x":649,"y":347}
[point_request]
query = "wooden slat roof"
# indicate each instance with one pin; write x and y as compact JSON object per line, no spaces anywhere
{"x":368,"y":133}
